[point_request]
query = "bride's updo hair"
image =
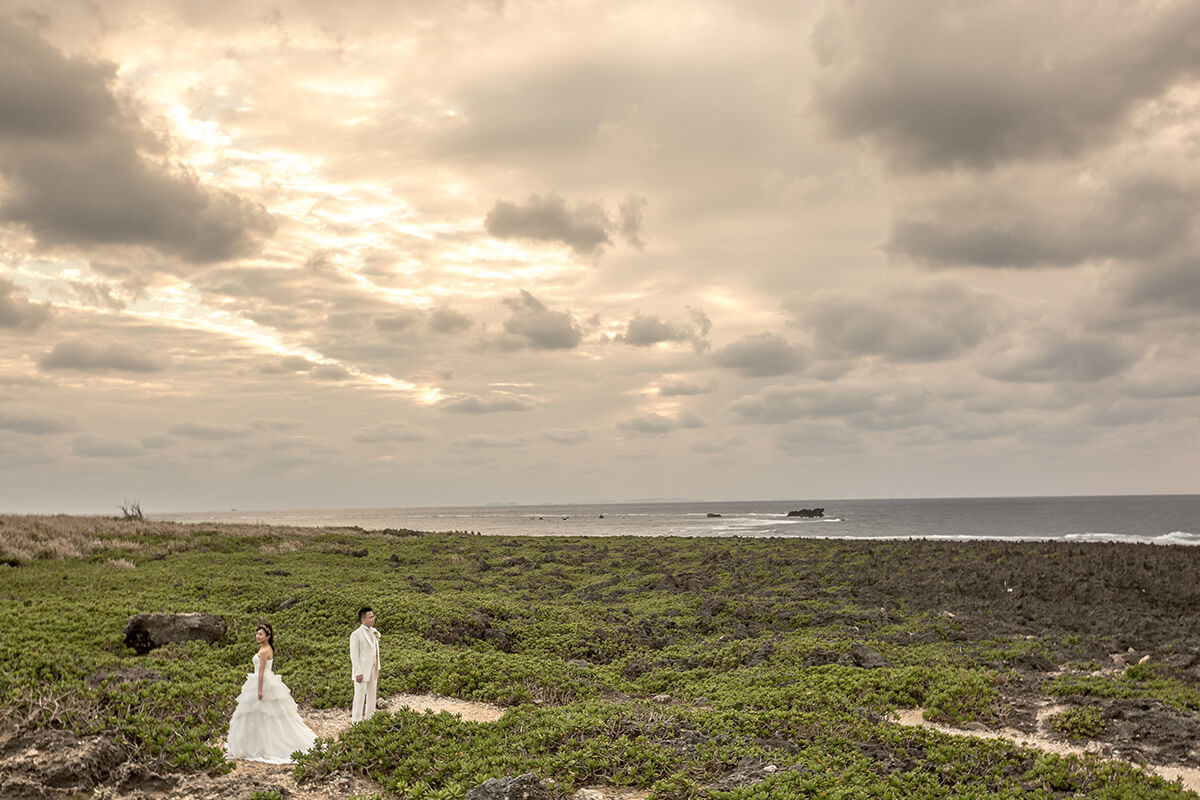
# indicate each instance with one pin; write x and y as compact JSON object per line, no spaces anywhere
{"x":269,"y":631}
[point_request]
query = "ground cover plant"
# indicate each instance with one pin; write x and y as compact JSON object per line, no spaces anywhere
{"x":692,"y":668}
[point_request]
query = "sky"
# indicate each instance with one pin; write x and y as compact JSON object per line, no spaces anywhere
{"x":301,"y":254}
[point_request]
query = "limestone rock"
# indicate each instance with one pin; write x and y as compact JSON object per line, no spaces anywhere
{"x":144,"y":632}
{"x":521,"y":787}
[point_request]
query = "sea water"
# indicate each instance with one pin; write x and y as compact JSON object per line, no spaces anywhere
{"x":1161,"y":519}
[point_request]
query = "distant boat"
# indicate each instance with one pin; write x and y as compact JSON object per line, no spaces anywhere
{"x":711,"y":514}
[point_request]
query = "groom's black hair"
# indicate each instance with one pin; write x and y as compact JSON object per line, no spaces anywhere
{"x":362,"y":611}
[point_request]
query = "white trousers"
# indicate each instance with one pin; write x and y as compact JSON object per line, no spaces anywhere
{"x":364,"y":699}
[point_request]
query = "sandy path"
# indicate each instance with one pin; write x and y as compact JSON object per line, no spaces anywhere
{"x":915,"y":717}
{"x":328,"y":723}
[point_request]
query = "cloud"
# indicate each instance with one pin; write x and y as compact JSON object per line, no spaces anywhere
{"x":1051,"y":356}
{"x":69,"y":149}
{"x":474,"y":404}
{"x":34,"y":422}
{"x":100,"y":447}
{"x":566,"y":436}
{"x":631,"y":221}
{"x":534,"y":325}
{"x":775,"y":405}
{"x":391,"y":432}
{"x":934,"y":84}
{"x":1171,"y":282}
{"x":395,"y":321}
{"x":275,"y":424}
{"x":206,"y":431}
{"x":646,"y":331}
{"x":156,"y":442}
{"x":677,"y":387}
{"x":286,"y":365}
{"x":447,"y":320}
{"x":657,"y":424}
{"x":485,"y":440}
{"x":83,"y":355}
{"x":330,"y":372}
{"x":760,"y":356}
{"x":1059,"y":224}
{"x":583,"y":228}
{"x":902,"y":325}
{"x":18,"y":312}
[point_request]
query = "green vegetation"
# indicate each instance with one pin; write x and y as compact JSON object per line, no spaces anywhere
{"x":1084,"y":722}
{"x":751,"y":640}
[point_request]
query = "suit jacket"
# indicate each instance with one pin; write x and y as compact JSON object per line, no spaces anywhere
{"x":364,"y":653}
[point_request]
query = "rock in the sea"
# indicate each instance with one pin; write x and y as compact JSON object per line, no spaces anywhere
{"x":807,"y":512}
{"x":522,"y":787}
{"x":867,"y":657}
{"x":144,"y":632}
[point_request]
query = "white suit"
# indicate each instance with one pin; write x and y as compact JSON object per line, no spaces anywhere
{"x":364,"y":660}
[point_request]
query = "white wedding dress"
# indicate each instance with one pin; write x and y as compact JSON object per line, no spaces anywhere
{"x":270,"y":729}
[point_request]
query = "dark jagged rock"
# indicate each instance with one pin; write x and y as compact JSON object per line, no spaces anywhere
{"x":144,"y":632}
{"x":867,"y":657}
{"x":760,"y":654}
{"x":807,"y":512}
{"x":521,"y":787}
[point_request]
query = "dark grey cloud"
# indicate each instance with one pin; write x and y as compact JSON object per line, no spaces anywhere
{"x":474,"y":404}
{"x":566,"y":436}
{"x":82,"y":170}
{"x":658,"y":424}
{"x":902,"y":325}
{"x":16,"y":311}
{"x":389,"y":431}
{"x":1143,"y":216}
{"x":81,"y":354}
{"x":206,"y":431}
{"x":677,"y":387}
{"x":35,"y":422}
{"x":761,"y":355}
{"x":102,"y":447}
{"x":775,"y":405}
{"x":936,"y":84}
{"x":645,"y":331}
{"x":1169,"y":283}
{"x":584,"y":227}
{"x":447,"y":320}
{"x":1046,"y":356}
{"x":532,"y":324}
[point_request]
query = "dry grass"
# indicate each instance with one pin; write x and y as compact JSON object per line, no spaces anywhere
{"x":29,"y":537}
{"x":120,"y":563}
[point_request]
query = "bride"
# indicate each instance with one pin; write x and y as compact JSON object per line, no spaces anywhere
{"x":265,"y":725}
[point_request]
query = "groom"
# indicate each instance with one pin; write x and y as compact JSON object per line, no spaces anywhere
{"x":364,"y":665}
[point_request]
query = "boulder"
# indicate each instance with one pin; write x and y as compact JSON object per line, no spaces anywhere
{"x":522,"y":787}
{"x":144,"y":632}
{"x":867,"y":657}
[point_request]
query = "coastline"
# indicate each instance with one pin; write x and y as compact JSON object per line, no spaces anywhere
{"x":983,"y":635}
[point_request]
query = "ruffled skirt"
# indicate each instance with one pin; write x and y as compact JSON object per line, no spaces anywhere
{"x":270,"y":729}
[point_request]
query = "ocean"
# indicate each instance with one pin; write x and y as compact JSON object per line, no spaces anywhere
{"x":1159,"y":519}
